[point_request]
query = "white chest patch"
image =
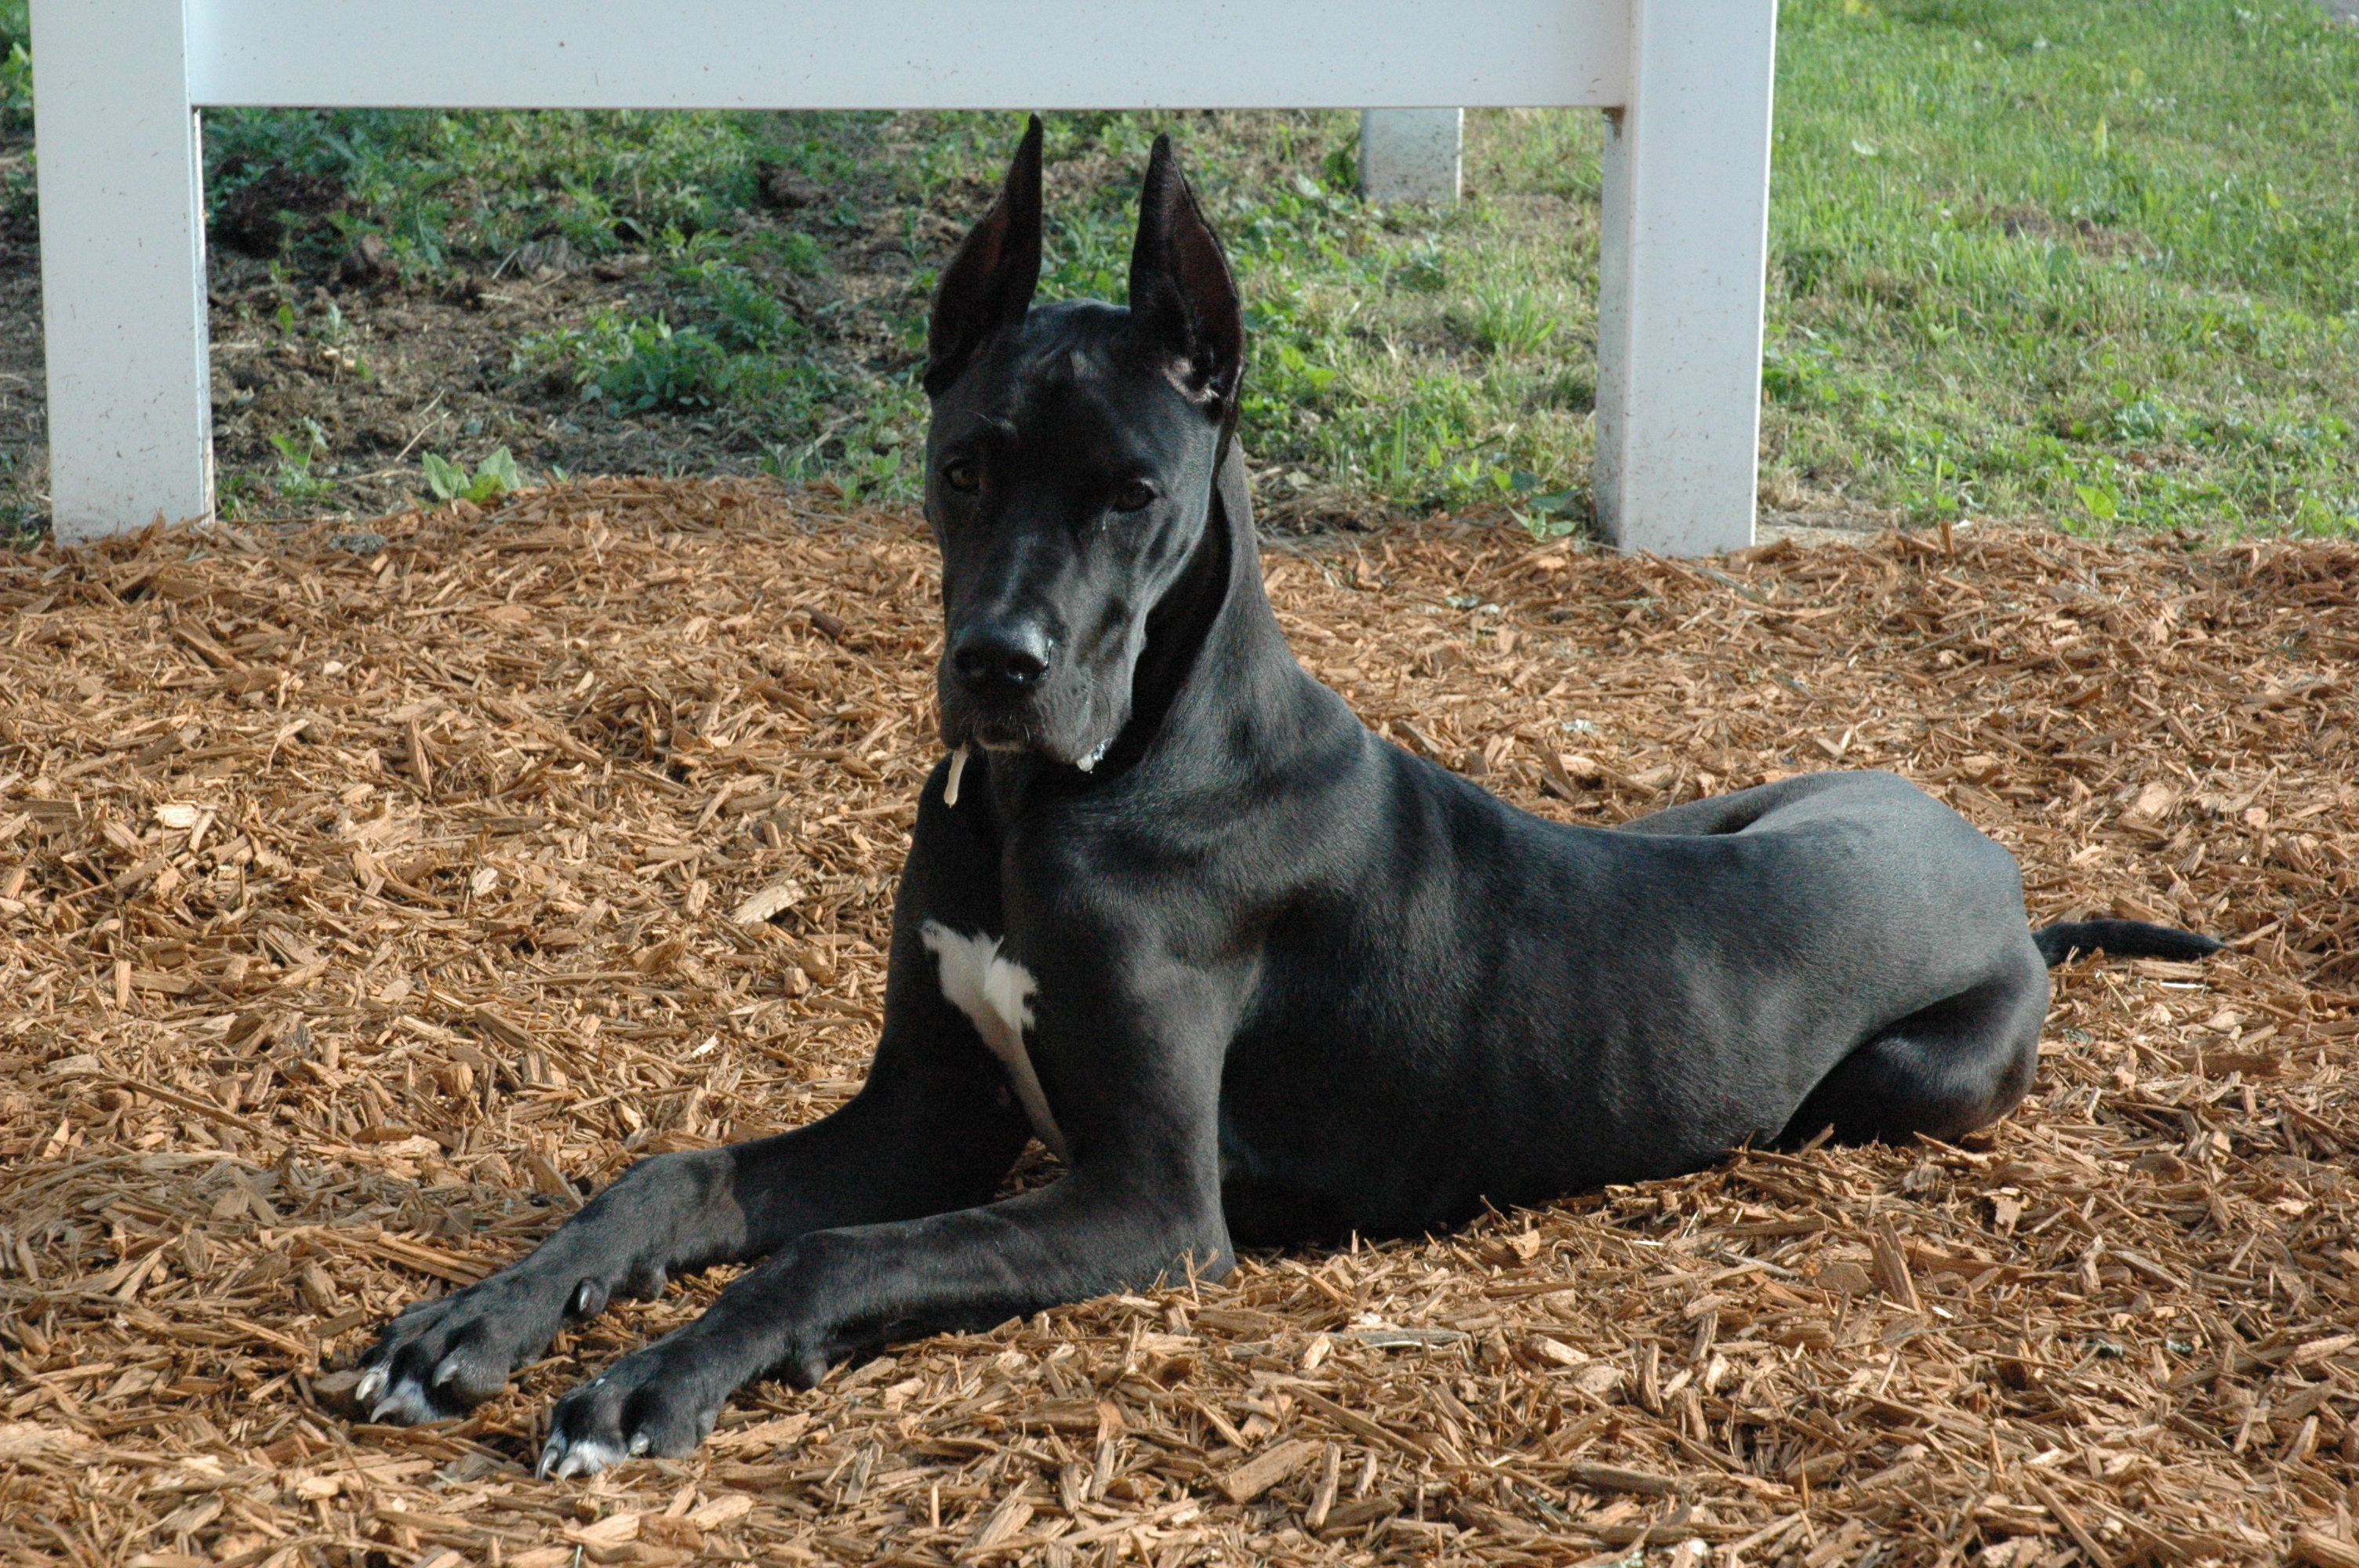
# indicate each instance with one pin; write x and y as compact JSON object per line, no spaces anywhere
{"x":996,"y":997}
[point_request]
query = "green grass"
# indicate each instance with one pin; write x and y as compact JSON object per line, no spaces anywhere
{"x":2098,"y":262}
{"x":447,"y":190}
{"x":2091,"y":261}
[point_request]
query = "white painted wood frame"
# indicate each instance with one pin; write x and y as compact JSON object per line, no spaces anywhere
{"x":117,"y":83}
{"x":1412,"y":155}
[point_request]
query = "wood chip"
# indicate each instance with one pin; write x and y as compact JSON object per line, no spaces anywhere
{"x":1267,"y":1469}
{"x":1619,"y":1478}
{"x":252,"y":1099}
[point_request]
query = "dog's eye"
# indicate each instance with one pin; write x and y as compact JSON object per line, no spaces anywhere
{"x":961,"y":475}
{"x":1136,"y":496}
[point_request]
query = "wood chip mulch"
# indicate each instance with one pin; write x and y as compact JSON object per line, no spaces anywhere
{"x":366,"y":902}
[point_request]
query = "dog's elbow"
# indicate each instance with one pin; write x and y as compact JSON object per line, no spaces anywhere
{"x":1171,"y":1230}
{"x":1198,"y":1250}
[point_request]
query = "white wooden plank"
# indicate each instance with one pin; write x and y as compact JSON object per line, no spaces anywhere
{"x":1685,"y":237}
{"x":123,"y":289}
{"x":906,"y":54}
{"x":1411,"y":155}
{"x":1685,"y":200}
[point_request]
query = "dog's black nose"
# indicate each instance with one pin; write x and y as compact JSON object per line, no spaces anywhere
{"x":1002,"y":659}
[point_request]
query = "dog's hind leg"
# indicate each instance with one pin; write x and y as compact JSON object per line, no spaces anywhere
{"x":1942,"y":1071}
{"x":933,"y":1128}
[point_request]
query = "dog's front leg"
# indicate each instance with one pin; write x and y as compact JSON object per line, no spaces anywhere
{"x":835,"y":1293}
{"x":888,"y":1153}
{"x":1143,"y":1201}
{"x":934,"y":1128}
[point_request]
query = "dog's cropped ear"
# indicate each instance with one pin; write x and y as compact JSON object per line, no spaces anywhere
{"x":989,"y":283}
{"x":1181,"y":294}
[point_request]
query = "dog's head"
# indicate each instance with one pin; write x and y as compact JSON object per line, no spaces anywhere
{"x":1069,"y":464}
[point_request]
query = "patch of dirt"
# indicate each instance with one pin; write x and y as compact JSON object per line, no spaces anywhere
{"x":416,"y":367}
{"x":279,"y":205}
{"x":366,"y":902}
{"x":2096,"y":238}
{"x":425,"y":367}
{"x":389,"y":366}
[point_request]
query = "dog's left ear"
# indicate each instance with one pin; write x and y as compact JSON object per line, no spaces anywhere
{"x":1181,"y":294}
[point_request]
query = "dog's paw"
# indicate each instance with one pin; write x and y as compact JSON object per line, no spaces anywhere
{"x":440,"y":1357}
{"x":648,"y":1403}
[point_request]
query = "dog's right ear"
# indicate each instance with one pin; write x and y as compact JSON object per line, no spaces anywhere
{"x":989,"y":283}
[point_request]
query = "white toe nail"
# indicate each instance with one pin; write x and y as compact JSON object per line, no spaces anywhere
{"x":406,"y":1402}
{"x":586,"y":1456}
{"x":641,"y":1443}
{"x":372,"y":1384}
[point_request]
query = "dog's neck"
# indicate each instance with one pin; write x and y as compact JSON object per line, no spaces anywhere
{"x":1215,"y":624}
{"x":1205,"y":621}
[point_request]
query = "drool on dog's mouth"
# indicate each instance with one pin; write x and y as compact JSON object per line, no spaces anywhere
{"x":958,"y":769}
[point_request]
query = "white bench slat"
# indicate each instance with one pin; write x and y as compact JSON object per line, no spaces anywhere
{"x":904,"y":54}
{"x":116,"y":82}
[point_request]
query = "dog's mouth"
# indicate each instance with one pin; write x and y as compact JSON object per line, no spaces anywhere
{"x":998,"y":735}
{"x":989,"y":727}
{"x":989,"y":738}
{"x":965,"y":727}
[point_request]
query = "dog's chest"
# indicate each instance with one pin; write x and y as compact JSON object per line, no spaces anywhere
{"x":995,"y":994}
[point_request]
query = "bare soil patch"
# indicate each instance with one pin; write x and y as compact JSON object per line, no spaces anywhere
{"x":418,"y":367}
{"x":362,"y":909}
{"x":361,"y":365}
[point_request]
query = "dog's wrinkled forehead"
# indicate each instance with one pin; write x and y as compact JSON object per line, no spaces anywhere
{"x":1069,"y":369}
{"x":1074,"y":375}
{"x":1053,"y":383}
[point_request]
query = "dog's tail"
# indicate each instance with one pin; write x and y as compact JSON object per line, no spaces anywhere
{"x":2121,"y":939}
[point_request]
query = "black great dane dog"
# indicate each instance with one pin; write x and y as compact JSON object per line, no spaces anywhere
{"x":1257,"y":976}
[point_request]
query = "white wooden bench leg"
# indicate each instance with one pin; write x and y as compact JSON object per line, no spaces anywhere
{"x":1679,"y":312}
{"x":122,"y":266}
{"x":1411,"y":155}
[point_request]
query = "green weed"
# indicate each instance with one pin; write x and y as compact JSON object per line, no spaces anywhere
{"x":1509,"y":322}
{"x":295,"y":481}
{"x":16,"y":65}
{"x":493,"y":478}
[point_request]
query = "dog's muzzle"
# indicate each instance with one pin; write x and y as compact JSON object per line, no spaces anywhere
{"x":1005,"y":690}
{"x":998,"y":667}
